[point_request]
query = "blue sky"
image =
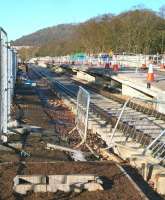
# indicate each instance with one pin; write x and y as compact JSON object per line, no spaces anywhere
{"x":21,"y":17}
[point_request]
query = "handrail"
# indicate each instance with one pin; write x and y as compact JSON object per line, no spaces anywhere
{"x":118,"y":120}
{"x":153,"y":142}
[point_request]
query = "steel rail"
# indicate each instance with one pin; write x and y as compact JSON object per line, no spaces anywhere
{"x":104,"y":114}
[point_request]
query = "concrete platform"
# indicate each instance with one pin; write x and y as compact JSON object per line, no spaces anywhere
{"x":135,"y":85}
{"x":138,"y":81}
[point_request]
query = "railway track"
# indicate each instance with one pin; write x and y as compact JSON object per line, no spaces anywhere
{"x":136,"y":128}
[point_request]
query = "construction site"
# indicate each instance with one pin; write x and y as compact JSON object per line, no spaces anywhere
{"x":72,"y":130}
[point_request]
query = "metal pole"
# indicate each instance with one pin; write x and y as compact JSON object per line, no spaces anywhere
{"x":14,"y":66}
{"x":9,"y":83}
{"x":11,"y":74}
{"x":118,"y":120}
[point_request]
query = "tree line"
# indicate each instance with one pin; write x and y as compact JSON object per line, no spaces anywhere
{"x":135,"y":31}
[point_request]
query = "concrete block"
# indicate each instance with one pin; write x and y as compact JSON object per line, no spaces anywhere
{"x":57,"y":179}
{"x":93,"y":187}
{"x":78,"y":187}
{"x":37,"y":179}
{"x":72,"y":179}
{"x":40,"y":188}
{"x":23,"y":189}
{"x":64,"y":187}
{"x":52,"y":188}
{"x":85,"y":76}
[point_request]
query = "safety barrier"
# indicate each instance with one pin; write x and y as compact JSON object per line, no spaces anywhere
{"x":137,"y":126}
{"x":118,"y":62}
{"x":83,"y":100}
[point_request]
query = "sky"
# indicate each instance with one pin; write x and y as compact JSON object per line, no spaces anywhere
{"x":22,"y":17}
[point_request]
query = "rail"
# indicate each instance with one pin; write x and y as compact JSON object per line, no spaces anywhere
{"x":135,"y":125}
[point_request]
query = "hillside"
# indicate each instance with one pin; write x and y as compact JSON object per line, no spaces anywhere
{"x":60,"y":32}
{"x":43,"y":36}
{"x":138,"y":31}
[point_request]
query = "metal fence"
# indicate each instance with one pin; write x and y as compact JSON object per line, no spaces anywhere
{"x":140,"y":125}
{"x":157,"y":147}
{"x":83,"y":100}
{"x":8,"y":62}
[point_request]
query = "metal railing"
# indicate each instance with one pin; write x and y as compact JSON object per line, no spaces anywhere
{"x":157,"y":147}
{"x":141,"y":128}
{"x":137,"y":123}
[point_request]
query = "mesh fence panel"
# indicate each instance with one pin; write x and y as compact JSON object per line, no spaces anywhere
{"x":83,"y":100}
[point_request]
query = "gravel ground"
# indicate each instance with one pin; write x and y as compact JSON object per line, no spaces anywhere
{"x":47,"y":162}
{"x":116,"y":184}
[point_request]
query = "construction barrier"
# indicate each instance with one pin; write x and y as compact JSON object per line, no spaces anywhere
{"x":150,"y":74}
{"x":83,"y":100}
